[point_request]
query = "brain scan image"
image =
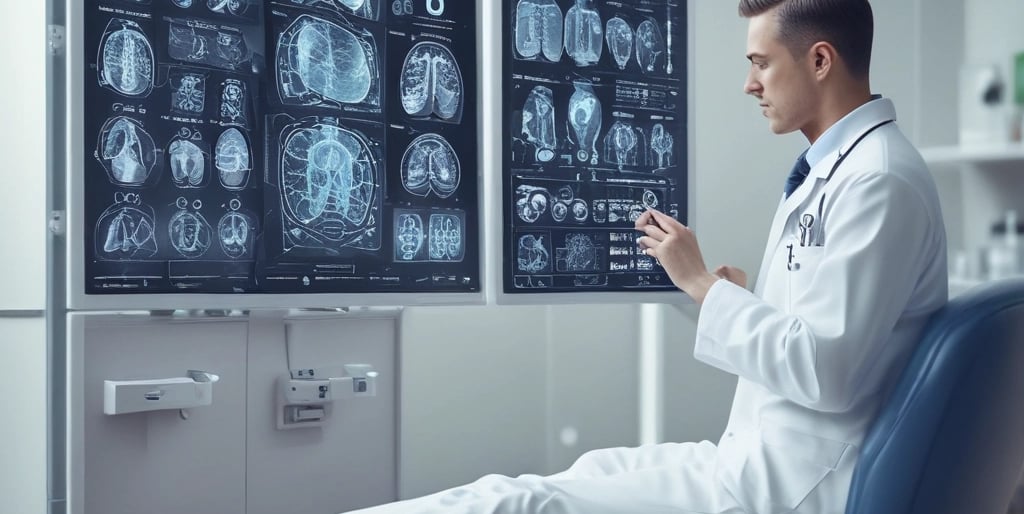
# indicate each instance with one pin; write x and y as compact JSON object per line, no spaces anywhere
{"x":410,"y":237}
{"x":319,"y":61}
{"x":538,"y":29}
{"x":539,"y":122}
{"x":649,"y":45}
{"x":236,"y":7}
{"x":621,"y":145}
{"x":190,"y":234}
{"x":236,"y":231}
{"x":585,"y":121}
{"x":188,"y":93}
{"x":532,"y":255}
{"x":619,"y":36}
{"x":125,"y":62}
{"x":201,"y":43}
{"x":583,"y":33}
{"x":431,"y":82}
{"x":233,"y":159}
{"x":430,"y":164}
{"x":445,"y":237}
{"x":233,"y":102}
{"x":661,"y":145}
{"x":127,"y":151}
{"x":329,"y":182}
{"x":367,"y":9}
{"x":188,"y":163}
{"x":126,"y":230}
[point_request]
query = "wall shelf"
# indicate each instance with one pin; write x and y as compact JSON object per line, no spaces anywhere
{"x":954,"y":155}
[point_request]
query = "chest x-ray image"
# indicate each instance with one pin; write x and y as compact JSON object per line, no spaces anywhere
{"x":125,"y":62}
{"x":126,"y":230}
{"x":319,"y":61}
{"x":430,"y":164}
{"x":126,"y":151}
{"x":538,"y":30}
{"x":431,"y":82}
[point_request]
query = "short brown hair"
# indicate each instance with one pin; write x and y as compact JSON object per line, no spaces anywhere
{"x":848,"y":25}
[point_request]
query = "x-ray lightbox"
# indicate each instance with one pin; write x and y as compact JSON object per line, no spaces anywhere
{"x":262,"y":153}
{"x":597,"y":128}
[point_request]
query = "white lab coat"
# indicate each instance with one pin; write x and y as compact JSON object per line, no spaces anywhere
{"x":815,"y":349}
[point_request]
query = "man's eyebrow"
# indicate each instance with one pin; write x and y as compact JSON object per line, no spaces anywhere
{"x":753,"y":55}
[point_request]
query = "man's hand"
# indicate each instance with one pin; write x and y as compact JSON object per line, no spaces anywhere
{"x":732,"y":274}
{"x":675,"y":246}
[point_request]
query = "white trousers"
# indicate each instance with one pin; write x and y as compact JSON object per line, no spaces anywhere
{"x":676,"y":478}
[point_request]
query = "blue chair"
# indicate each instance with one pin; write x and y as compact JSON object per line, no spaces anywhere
{"x":950,"y":438}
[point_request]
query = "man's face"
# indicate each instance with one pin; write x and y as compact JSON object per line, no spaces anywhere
{"x":785,"y":86}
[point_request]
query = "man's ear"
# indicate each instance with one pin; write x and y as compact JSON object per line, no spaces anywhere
{"x":824,"y":56}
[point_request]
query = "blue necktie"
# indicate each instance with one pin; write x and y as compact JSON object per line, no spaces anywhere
{"x":797,"y":174}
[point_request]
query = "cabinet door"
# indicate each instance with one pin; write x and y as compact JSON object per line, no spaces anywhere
{"x":159,"y":461}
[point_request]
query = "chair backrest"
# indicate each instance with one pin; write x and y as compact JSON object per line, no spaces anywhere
{"x":950,"y":438}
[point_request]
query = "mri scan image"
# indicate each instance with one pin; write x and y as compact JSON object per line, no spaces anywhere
{"x":233,"y":101}
{"x":367,"y":9}
{"x":126,"y":151}
{"x":532,"y":255}
{"x":661,"y":145}
{"x":619,"y":36}
{"x":319,"y":61}
{"x":236,"y":7}
{"x":329,"y":181}
{"x":430,"y":164}
{"x":431,"y":82}
{"x":125,"y":62}
{"x":445,"y":238}
{"x":188,"y":93}
{"x":650,"y":46}
{"x":198,"y":42}
{"x":585,"y":121}
{"x":583,"y":33}
{"x":538,"y":30}
{"x":188,"y":163}
{"x":620,"y":145}
{"x":236,"y":233}
{"x":190,"y":234}
{"x":233,"y":159}
{"x":126,"y":230}
{"x":539,"y":122}
{"x":410,"y":237}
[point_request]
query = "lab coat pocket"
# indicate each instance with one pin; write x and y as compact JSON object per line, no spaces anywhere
{"x":796,"y":462}
{"x":807,"y":258}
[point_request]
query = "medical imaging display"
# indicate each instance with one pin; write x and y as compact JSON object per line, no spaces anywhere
{"x":593,"y":136}
{"x":281,"y":146}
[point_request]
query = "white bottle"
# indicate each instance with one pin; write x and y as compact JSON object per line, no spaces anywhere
{"x":1012,"y":245}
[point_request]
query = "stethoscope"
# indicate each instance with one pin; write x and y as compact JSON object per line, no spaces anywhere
{"x":807,"y":221}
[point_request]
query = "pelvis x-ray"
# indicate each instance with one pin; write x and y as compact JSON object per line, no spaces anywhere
{"x":579,"y":255}
{"x":539,"y":123}
{"x":188,"y":92}
{"x":236,"y":7}
{"x":189,"y":231}
{"x":650,"y":46}
{"x":624,"y":145}
{"x":126,"y":151}
{"x":440,"y":238}
{"x":538,"y":30}
{"x":125,"y":62}
{"x":236,"y":232}
{"x":233,"y":159}
{"x":430,"y":164}
{"x":533,"y":253}
{"x":234,"y":102}
{"x":583,"y":33}
{"x":619,"y":36}
{"x":661,"y":146}
{"x":200,"y":42}
{"x":431,"y":82}
{"x":188,"y":162}
{"x":368,"y":9}
{"x":319,"y":62}
{"x":126,"y":230}
{"x":329,"y":185}
{"x":585,"y":121}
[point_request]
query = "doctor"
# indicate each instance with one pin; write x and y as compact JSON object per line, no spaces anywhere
{"x":854,"y":265}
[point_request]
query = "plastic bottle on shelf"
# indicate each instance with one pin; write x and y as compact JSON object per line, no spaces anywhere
{"x":1006,"y":255}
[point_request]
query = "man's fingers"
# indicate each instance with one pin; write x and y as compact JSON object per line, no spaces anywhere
{"x":663,"y":220}
{"x":653,"y":231}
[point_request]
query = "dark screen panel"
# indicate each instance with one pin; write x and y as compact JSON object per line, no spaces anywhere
{"x":248,"y":146}
{"x":594,"y":134}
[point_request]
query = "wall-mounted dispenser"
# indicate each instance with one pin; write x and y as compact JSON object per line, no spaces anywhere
{"x":303,"y":398}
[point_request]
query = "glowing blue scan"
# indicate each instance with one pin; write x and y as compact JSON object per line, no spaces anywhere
{"x":661,"y":145}
{"x":579,"y":210}
{"x":200,"y":42}
{"x":538,"y":30}
{"x":621,"y":145}
{"x":649,"y":199}
{"x":649,"y":45}
{"x":367,"y":9}
{"x":585,"y":120}
{"x":236,"y":7}
{"x":190,"y":234}
{"x":532,"y":255}
{"x":184,"y":4}
{"x":445,"y":237}
{"x":583,"y":33}
{"x":233,"y":159}
{"x":579,"y":255}
{"x":319,"y":61}
{"x":531,"y":202}
{"x":188,"y":163}
{"x":409,"y":237}
{"x":235,"y":231}
{"x":125,"y":62}
{"x":431,"y":82}
{"x":126,"y":151}
{"x":329,"y":182}
{"x":233,"y":99}
{"x":559,"y":210}
{"x":619,"y":36}
{"x":539,"y":122}
{"x":188,"y":93}
{"x":126,"y":230}
{"x":430,"y":164}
